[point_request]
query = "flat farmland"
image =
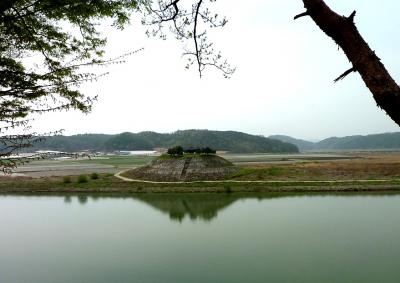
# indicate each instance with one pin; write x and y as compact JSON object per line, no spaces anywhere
{"x":257,"y":158}
{"x":314,"y":166}
{"x":102,"y":164}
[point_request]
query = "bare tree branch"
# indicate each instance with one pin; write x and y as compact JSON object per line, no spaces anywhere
{"x":301,"y":15}
{"x":345,"y":74}
{"x":343,"y":31}
{"x":187,"y":27}
{"x":195,"y":36}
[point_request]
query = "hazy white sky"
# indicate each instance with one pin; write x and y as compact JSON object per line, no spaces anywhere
{"x":283,"y":83}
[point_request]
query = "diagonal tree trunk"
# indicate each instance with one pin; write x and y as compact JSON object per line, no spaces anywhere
{"x":343,"y":31}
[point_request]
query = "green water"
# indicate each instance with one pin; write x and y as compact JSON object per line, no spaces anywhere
{"x":200,"y":238}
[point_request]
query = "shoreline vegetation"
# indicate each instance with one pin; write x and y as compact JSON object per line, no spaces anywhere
{"x":106,"y":183}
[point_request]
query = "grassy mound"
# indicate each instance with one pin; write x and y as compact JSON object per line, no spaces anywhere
{"x":189,"y":167}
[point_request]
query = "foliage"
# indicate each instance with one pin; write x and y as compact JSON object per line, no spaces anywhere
{"x":175,"y":151}
{"x":301,"y":144}
{"x":66,"y":179}
{"x":46,"y":47}
{"x":72,"y":143}
{"x":218,"y":140}
{"x":368,"y":142}
{"x":228,"y":189}
{"x":179,"y":150}
{"x":82,"y":179}
{"x":10,"y":145}
{"x":188,"y":23}
{"x":94,"y":176}
{"x":377,"y":141}
{"x":127,"y":141}
{"x":200,"y":150}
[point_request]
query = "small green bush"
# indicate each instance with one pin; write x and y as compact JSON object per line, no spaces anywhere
{"x":227,"y":189}
{"x":82,"y":179}
{"x":66,"y":179}
{"x":94,"y":176}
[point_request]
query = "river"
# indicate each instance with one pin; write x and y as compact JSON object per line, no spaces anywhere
{"x":162,"y":238}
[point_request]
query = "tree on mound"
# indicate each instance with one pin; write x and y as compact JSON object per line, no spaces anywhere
{"x":175,"y":151}
{"x":200,"y":150}
{"x":179,"y":151}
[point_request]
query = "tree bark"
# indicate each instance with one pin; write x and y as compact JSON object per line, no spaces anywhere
{"x":344,"y":32}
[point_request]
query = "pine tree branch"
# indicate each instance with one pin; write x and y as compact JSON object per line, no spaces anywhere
{"x":344,"y":32}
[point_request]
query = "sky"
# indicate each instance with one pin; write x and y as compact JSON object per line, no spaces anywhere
{"x":283,"y":83}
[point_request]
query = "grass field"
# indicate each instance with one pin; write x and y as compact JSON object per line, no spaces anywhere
{"x":370,"y":173}
{"x":371,"y":166}
{"x":124,"y":161}
{"x":288,"y":158}
{"x":117,"y":161}
{"x":130,"y":161}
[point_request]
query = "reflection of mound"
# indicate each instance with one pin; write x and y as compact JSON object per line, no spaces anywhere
{"x":186,"y":168}
{"x":198,"y":206}
{"x":204,"y":207}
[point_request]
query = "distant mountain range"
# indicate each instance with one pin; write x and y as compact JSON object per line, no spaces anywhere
{"x":388,"y":141}
{"x":231,"y":141}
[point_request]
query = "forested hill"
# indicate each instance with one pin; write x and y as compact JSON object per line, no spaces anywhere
{"x":73,"y":143}
{"x":388,"y":141}
{"x":220,"y":140}
{"x":301,"y":144}
{"x":379,"y":141}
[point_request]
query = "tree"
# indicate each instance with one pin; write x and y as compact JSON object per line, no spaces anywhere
{"x":175,"y":151}
{"x":39,"y":30}
{"x":208,"y":150}
{"x":47,"y":45}
{"x":43,"y":63}
{"x":200,"y":150}
{"x":184,"y":24}
{"x":188,"y":23}
{"x":364,"y":60}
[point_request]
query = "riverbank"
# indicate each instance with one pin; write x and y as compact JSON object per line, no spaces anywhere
{"x":371,"y":173}
{"x":111,"y":184}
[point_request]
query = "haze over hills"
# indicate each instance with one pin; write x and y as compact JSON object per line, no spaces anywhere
{"x":301,"y":144}
{"x":231,"y":141}
{"x":220,"y":140}
{"x":369,"y":142}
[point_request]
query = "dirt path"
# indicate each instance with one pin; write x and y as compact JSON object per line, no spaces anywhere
{"x":118,"y":175}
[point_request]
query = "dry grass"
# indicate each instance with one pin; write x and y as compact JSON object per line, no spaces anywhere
{"x":371,"y":166}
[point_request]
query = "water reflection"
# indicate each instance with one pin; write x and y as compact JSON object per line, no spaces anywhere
{"x":204,"y":207}
{"x":67,"y":199}
{"x":233,"y":238}
{"x":178,"y":206}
